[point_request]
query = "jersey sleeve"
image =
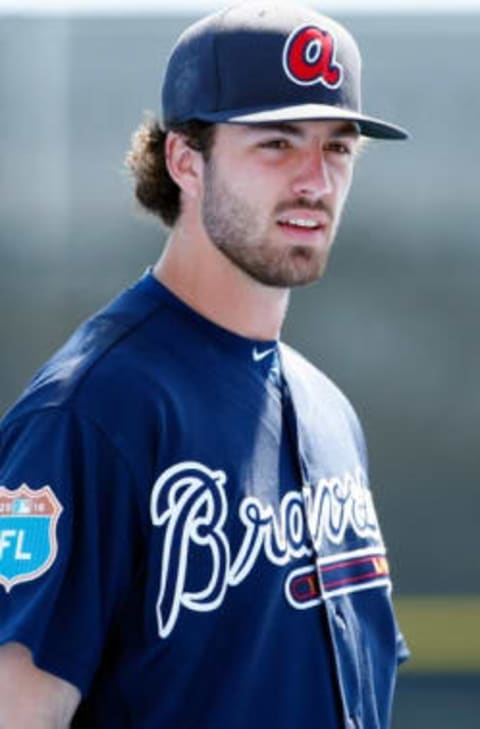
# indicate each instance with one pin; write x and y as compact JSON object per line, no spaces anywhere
{"x":68,"y":540}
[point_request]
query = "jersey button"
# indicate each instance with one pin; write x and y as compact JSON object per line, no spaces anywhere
{"x":341,"y":622}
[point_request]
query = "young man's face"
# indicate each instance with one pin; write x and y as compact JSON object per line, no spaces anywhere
{"x":273,"y":196}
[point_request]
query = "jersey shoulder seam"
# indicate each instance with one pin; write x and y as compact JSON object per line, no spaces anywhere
{"x":128,"y":331}
{"x":70,"y":409}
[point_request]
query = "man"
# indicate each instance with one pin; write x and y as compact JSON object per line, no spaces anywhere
{"x":187,"y":537}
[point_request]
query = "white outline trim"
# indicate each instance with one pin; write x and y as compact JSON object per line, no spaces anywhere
{"x":314,"y":602}
{"x":181,"y":482}
{"x":381,"y":581}
{"x":367,"y":552}
{"x":319,"y":79}
{"x":189,"y":502}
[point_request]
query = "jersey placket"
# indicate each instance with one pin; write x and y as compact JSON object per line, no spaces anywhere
{"x":342,"y":640}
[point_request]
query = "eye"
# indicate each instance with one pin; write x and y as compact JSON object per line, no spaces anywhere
{"x":277,"y":143}
{"x":338,"y":147}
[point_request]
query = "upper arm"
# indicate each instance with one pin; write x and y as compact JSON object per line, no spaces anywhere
{"x":32,"y":698}
{"x":70,"y":542}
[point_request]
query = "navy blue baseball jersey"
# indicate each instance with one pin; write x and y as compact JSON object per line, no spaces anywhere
{"x":187,"y":533}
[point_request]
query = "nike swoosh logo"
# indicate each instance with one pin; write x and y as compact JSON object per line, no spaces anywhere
{"x":258,"y":356}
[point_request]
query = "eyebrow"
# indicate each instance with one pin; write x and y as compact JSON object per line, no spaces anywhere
{"x":281,"y":127}
{"x":348,"y":128}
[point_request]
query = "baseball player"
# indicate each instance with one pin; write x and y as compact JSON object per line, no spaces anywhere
{"x":187,"y":535}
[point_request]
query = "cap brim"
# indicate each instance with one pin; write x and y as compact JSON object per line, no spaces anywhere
{"x":369,"y":126}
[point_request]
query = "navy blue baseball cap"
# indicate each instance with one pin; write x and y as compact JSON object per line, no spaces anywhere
{"x":261,"y":62}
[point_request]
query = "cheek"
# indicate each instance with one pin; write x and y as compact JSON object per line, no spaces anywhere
{"x":258,"y":193}
{"x":342,"y":187}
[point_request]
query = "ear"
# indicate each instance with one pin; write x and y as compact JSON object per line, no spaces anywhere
{"x":184,"y":164}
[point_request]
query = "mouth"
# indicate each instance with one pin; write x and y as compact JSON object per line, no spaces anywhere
{"x":301,"y":224}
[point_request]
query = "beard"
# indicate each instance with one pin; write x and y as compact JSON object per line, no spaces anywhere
{"x":236,"y":227}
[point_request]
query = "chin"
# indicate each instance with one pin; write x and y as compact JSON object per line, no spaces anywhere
{"x":308,"y":265}
{"x":291,"y":278}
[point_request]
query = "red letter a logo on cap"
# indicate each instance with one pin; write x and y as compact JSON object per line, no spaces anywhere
{"x":309,"y":58}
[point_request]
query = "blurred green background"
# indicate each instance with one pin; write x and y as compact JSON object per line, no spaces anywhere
{"x":394,"y":322}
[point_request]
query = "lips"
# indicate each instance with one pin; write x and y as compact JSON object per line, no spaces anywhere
{"x":301,"y":223}
{"x":304,"y":219}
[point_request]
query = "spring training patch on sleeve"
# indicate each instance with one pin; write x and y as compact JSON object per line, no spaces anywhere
{"x":28,"y":533}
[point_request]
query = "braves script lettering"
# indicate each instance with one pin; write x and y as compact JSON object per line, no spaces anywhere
{"x":189,"y":502}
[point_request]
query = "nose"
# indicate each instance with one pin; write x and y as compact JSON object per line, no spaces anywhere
{"x":313,"y":177}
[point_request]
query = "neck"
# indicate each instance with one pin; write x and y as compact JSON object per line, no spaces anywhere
{"x":205,"y":279}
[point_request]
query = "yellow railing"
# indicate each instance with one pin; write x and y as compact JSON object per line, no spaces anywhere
{"x":443,"y":633}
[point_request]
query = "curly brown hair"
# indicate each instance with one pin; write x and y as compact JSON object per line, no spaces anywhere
{"x":154,"y":188}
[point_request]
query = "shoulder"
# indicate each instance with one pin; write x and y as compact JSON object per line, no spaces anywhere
{"x":101,"y":362}
{"x":108,"y":386}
